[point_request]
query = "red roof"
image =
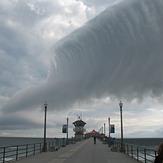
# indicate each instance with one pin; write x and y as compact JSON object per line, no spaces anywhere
{"x":93,"y":132}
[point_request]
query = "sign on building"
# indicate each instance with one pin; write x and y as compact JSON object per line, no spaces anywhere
{"x":64,"y":128}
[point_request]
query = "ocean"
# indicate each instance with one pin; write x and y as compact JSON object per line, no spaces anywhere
{"x":12,"y":141}
{"x":151,"y":143}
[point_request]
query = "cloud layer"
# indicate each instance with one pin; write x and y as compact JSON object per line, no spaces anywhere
{"x":118,"y":53}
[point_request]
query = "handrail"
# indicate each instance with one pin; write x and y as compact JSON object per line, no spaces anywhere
{"x":142,"y":154}
{"x":14,"y":153}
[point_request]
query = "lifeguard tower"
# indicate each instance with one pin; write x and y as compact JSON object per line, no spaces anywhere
{"x":79,"y":129}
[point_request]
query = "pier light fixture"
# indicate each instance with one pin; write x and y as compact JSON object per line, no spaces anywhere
{"x":45,"y":145}
{"x":67,"y":131}
{"x":121,"y":105}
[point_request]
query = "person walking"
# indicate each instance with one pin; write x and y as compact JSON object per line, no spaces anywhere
{"x":94,"y":139}
{"x":159,"y":158}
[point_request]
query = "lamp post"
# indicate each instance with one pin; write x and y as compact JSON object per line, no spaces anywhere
{"x":109,"y":125}
{"x":45,"y":147}
{"x":120,"y":105}
{"x":67,"y":130}
{"x":104,"y":129}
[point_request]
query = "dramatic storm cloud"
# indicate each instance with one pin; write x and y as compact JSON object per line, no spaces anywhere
{"x":117,"y":54}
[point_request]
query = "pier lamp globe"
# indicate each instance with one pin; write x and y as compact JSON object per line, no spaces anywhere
{"x":121,"y":105}
{"x":45,"y":145}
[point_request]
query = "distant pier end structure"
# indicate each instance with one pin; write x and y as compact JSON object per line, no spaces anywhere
{"x":79,"y":129}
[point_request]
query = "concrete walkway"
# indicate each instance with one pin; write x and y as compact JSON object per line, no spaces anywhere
{"x":85,"y":151}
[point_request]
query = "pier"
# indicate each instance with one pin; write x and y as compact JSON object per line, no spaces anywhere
{"x":84,"y":151}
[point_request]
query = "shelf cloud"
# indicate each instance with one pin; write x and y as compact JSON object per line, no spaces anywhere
{"x":118,"y":54}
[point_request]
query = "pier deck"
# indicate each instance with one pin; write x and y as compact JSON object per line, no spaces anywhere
{"x":80,"y":152}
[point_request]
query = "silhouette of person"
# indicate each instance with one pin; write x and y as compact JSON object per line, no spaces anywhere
{"x":159,"y":158}
{"x":94,"y":139}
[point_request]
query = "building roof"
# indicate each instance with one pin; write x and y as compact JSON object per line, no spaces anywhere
{"x":93,"y":132}
{"x":79,"y":123}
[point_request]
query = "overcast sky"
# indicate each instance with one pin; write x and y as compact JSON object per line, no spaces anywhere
{"x":83,"y":57}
